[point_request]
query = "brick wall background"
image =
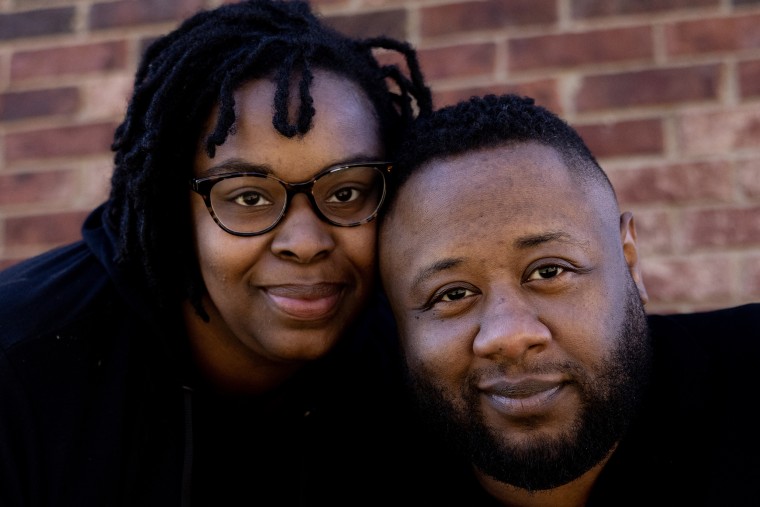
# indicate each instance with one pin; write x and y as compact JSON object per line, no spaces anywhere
{"x":665,"y":92}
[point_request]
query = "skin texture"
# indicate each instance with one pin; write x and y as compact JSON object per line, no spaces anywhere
{"x":281,"y":299}
{"x":519,"y":300}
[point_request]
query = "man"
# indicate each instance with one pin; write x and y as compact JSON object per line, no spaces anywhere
{"x":516,"y":286}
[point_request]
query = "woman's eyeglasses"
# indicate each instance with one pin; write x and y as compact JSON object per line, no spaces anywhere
{"x":248,"y":204}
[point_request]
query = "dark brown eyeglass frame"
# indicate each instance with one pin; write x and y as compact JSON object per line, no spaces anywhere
{"x":203,"y":186}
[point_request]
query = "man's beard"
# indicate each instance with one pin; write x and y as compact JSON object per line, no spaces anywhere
{"x":609,"y":400}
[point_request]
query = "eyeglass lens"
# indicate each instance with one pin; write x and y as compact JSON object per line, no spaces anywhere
{"x":253,"y":203}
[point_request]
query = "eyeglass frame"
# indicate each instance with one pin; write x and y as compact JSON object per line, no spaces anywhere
{"x":202,"y":186}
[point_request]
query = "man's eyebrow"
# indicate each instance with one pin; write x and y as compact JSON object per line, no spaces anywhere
{"x":434,"y":268}
{"x":533,"y":240}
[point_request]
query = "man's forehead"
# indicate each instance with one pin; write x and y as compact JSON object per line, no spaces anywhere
{"x":473,"y":196}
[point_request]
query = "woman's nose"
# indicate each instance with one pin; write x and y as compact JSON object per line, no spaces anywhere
{"x":302,"y":236}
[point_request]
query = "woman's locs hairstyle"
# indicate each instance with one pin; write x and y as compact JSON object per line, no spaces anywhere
{"x":188,"y":72}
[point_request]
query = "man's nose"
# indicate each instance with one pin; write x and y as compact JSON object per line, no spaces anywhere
{"x":511,"y":329}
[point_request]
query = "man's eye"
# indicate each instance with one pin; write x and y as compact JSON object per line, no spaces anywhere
{"x":455,"y":294}
{"x":545,"y":272}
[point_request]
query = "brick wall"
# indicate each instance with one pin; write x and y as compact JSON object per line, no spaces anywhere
{"x":666,"y":93}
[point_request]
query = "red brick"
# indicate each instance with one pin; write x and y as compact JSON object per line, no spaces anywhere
{"x":649,"y":88}
{"x":36,"y":23}
{"x":654,"y":230}
{"x":595,"y":8}
{"x":465,"y":60}
{"x":722,"y":228}
{"x":123,"y":13}
{"x":675,"y":184}
{"x":316,"y":4}
{"x":722,"y":131}
{"x":749,"y":281}
{"x":391,"y":23}
{"x":748,"y":172}
{"x":6,"y":263}
{"x":713,"y":34}
{"x":51,"y":229}
{"x":68,"y":141}
{"x":485,"y":15}
{"x":544,"y":92}
{"x":14,"y":106}
{"x":686,"y":280}
{"x":633,"y":137}
{"x":749,"y":78}
{"x":47,"y":187}
{"x":61,"y":61}
{"x":575,"y":49}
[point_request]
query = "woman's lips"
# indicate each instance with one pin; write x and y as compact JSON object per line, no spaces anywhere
{"x":305,"y":302}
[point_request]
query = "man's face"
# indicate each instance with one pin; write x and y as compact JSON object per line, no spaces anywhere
{"x":520,"y":306}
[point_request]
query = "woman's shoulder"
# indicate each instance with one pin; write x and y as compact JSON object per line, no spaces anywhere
{"x":47,"y":291}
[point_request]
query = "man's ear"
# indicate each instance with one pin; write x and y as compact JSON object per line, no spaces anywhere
{"x":631,"y":253}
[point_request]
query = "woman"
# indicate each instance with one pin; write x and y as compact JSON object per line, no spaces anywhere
{"x":216,"y":339}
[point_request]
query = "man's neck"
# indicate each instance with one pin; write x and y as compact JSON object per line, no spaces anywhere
{"x":572,"y":494}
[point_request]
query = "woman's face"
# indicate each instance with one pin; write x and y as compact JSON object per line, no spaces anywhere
{"x":286,"y":296}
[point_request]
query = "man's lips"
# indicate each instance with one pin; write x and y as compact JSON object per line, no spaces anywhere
{"x":529,"y":395}
{"x":307,"y":301}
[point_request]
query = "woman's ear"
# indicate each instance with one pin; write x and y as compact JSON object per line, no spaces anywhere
{"x":631,"y":253}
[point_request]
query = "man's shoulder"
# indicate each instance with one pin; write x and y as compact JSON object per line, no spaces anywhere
{"x":712,"y":366}
{"x":697,"y":426}
{"x":709,"y":358}
{"x":737,"y":324}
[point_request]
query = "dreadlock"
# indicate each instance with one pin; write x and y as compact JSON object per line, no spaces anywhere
{"x":486,"y":122}
{"x":184,"y":74}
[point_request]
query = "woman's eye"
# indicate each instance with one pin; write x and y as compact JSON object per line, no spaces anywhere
{"x":251,"y":199}
{"x":345,"y":194}
{"x":546,"y":272}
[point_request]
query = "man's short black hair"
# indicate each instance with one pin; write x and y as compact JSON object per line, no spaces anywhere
{"x":490,"y":121}
{"x":184,"y":74}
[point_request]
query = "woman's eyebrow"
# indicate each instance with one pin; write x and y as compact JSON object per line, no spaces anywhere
{"x":235,"y":165}
{"x":239,"y":165}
